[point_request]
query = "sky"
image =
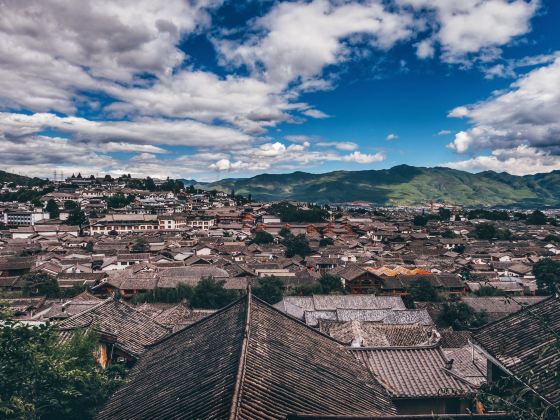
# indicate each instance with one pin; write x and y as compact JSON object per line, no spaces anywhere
{"x":211,"y":89}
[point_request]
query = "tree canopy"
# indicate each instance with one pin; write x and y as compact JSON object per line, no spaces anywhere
{"x":422,"y":290}
{"x":210,"y":293}
{"x":52,"y":208}
{"x":290,"y":213}
{"x":262,"y":237}
{"x":297,"y":245}
{"x":44,"y":379}
{"x":270,"y":289}
{"x":547,"y":274}
{"x":330,"y":283}
{"x":461,"y":316}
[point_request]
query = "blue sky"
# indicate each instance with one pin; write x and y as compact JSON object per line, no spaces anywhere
{"x":209,"y":89}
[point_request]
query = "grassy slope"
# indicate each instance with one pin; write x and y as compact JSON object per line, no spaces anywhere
{"x":403,"y":185}
{"x":18,"y":179}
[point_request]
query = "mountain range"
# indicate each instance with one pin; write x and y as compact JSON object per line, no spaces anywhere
{"x":401,"y":185}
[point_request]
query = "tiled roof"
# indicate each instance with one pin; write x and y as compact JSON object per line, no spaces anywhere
{"x":247,"y":361}
{"x":526,"y":344}
{"x":373,"y":334}
{"x":133,"y":330}
{"x":412,"y":372}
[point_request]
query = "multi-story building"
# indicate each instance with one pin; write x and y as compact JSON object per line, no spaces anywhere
{"x":122,"y":223}
{"x":24,"y":217}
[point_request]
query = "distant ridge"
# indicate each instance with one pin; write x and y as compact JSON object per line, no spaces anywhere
{"x":19,"y":179}
{"x":402,"y":185}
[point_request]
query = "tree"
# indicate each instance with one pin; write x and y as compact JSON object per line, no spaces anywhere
{"x":119,"y":201}
{"x":290,"y":213}
{"x":140,"y":246}
{"x":270,"y":289}
{"x":547,"y":273}
{"x":77,"y":218}
{"x":536,"y":218}
{"x":52,"y":208}
{"x":552,"y":238}
{"x":421,"y":290}
{"x":325,"y":242}
{"x":485,"y":231}
{"x":149,"y":184}
{"x":444,"y":214}
{"x":70,"y":205}
{"x":89,"y":246}
{"x":461,"y":316}
{"x":43,"y":378}
{"x":108,"y":178}
{"x":330,"y":283}
{"x":183,"y":292}
{"x":285,"y":232}
{"x":210,"y":293}
{"x":262,"y":237}
{"x":297,"y":245}
{"x":488,"y":291}
{"x":448,"y":234}
{"x":40,"y":284}
{"x":420,"y":220}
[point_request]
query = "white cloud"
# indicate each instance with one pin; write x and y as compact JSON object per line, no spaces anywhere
{"x":425,"y":49}
{"x":283,"y":53}
{"x":526,"y":114}
{"x":298,"y":138}
{"x":340,"y":145}
{"x":522,"y":160}
{"x":244,"y":102}
{"x":143,"y":131}
{"x":444,"y":132}
{"x":465,"y":27}
{"x":391,"y":137}
{"x":359,"y":157}
{"x":315,"y":113}
{"x":50,"y":49}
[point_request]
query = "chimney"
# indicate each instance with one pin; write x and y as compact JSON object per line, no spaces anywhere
{"x":449,"y":364}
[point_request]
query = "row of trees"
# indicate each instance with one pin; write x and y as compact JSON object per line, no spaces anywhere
{"x":289,"y":213}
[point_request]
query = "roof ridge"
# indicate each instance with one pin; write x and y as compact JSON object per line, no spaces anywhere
{"x":103,"y":302}
{"x":524,"y":309}
{"x":240,"y":376}
{"x":200,"y":321}
{"x":287,"y":315}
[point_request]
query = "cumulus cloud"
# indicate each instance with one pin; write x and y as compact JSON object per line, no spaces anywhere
{"x":526,"y":114}
{"x":466,"y":27}
{"x":144,"y":131}
{"x":50,"y":49}
{"x":522,"y":160}
{"x":57,"y":59}
{"x":359,"y":157}
{"x":282,"y":53}
{"x":340,"y":145}
{"x":391,"y":137}
{"x":425,"y":49}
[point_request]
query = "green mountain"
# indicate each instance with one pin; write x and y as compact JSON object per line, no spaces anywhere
{"x":19,"y":179}
{"x":402,"y":185}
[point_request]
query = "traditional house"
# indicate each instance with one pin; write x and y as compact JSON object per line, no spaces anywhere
{"x":124,"y":332}
{"x":419,"y":379}
{"x":247,"y":361}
